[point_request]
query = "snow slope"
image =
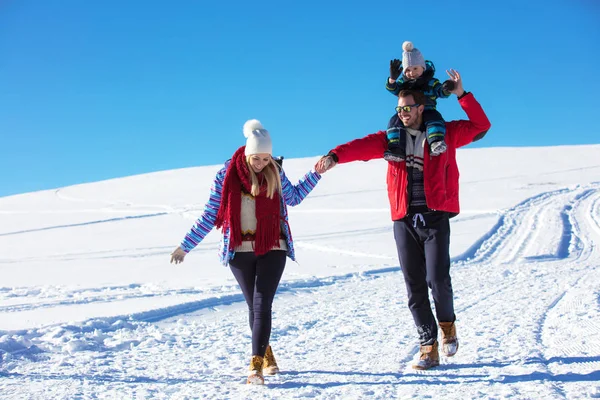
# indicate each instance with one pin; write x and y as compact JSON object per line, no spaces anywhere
{"x":90,"y":307}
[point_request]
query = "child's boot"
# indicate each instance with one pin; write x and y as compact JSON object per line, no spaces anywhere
{"x":396,"y":145}
{"x":449,"y":339}
{"x":438,"y":147}
{"x":256,"y":371}
{"x":429,"y":357}
{"x":269,"y":364}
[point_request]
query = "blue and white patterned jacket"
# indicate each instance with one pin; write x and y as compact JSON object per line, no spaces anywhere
{"x":291,"y":195}
{"x":426,"y":83}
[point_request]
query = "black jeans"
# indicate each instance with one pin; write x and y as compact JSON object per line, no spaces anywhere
{"x":258,"y":277}
{"x":423,"y":243}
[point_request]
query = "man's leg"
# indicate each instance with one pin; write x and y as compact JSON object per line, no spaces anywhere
{"x":437,"y":256}
{"x":437,"y":260}
{"x":396,"y":137}
{"x":436,"y":130}
{"x":412,"y":261}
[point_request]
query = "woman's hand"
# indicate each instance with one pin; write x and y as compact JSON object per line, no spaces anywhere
{"x":178,"y":255}
{"x":324,"y":164}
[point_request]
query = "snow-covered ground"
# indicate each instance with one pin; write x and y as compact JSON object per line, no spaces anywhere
{"x":90,"y":307}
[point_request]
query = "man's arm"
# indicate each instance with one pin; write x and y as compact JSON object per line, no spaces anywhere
{"x":463,"y":132}
{"x":367,"y":148}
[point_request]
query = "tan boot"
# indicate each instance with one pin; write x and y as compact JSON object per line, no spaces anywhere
{"x":270,"y":365}
{"x":429,"y":357}
{"x":256,"y":374}
{"x":449,"y":339}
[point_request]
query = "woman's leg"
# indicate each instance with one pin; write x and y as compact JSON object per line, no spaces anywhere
{"x":269,"y":269}
{"x":243,"y":267}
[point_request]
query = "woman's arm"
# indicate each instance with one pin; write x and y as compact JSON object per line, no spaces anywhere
{"x":294,"y":194}
{"x":206,"y":222}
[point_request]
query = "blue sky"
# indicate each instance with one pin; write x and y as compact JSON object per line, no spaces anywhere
{"x":92,"y":90}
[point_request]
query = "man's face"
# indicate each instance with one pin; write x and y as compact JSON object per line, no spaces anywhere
{"x":410,"y":119}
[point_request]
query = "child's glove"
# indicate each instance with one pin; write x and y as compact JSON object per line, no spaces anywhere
{"x":395,"y":69}
{"x":448,"y":86}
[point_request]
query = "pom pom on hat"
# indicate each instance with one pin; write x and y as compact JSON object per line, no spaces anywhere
{"x":411,"y":56}
{"x":258,"y":140}
{"x":251,"y":125}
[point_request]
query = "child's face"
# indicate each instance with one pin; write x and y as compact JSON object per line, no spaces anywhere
{"x":414,"y":72}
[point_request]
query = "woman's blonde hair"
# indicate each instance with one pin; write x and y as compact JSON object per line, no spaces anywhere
{"x":271,"y":174}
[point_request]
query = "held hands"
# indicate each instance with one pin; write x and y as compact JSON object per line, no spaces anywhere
{"x":325,"y":164}
{"x":456,"y":80}
{"x":395,"y":69}
{"x":178,"y":255}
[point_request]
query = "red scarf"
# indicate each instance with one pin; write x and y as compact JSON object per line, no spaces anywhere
{"x":267,"y":210}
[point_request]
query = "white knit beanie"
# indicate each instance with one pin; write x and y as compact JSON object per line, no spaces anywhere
{"x":412,"y":56}
{"x":258,"y":139}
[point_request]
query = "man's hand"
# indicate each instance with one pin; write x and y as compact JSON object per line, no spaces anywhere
{"x":178,"y":255}
{"x":458,"y":86}
{"x":325,"y":164}
{"x":395,"y":69}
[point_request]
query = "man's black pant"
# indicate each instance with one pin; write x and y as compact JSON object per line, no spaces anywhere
{"x":423,"y":242}
{"x":258,"y":277}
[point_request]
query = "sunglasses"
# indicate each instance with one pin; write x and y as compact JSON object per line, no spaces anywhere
{"x":406,"y":108}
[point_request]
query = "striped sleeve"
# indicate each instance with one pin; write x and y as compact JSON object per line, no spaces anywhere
{"x":392,"y":88}
{"x":294,"y":194}
{"x":438,"y":89}
{"x":206,"y":222}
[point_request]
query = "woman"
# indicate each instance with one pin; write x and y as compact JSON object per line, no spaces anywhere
{"x":248,"y":201}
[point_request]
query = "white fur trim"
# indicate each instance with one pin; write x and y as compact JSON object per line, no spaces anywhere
{"x":407,"y":46}
{"x":251,"y":125}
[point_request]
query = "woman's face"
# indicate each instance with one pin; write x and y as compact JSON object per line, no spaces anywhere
{"x":259,"y":161}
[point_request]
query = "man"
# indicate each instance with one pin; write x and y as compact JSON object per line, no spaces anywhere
{"x":423,"y":195}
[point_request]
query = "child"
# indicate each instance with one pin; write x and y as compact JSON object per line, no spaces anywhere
{"x":416,"y":74}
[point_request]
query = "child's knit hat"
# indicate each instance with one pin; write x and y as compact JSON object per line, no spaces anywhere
{"x":412,"y":56}
{"x":258,"y":139}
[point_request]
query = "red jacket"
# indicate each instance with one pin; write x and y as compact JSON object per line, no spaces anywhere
{"x":440,"y":173}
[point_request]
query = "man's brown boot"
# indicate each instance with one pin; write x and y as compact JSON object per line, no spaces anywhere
{"x":256,"y":374}
{"x":449,"y":339}
{"x":429,"y":357}
{"x":269,"y":364}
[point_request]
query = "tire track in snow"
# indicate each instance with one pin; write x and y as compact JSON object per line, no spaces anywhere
{"x":101,"y":221}
{"x":112,"y":254}
{"x":516,"y":231}
{"x":518,"y":222}
{"x":170,"y":312}
{"x":563,"y":329}
{"x":539,"y":279}
{"x":506,"y":240}
{"x":142,"y":209}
